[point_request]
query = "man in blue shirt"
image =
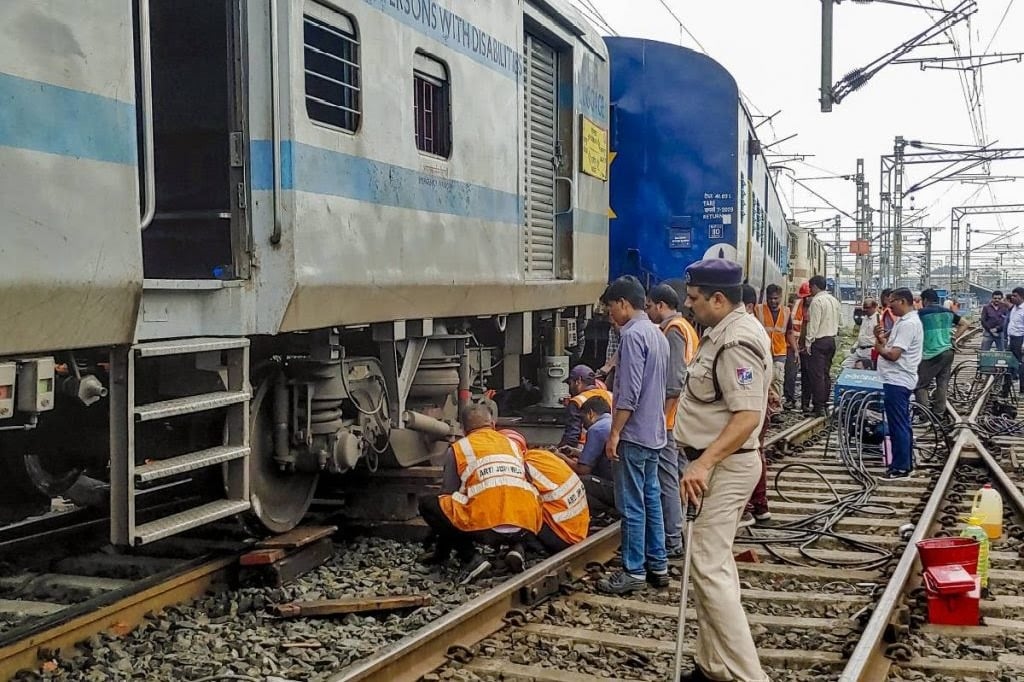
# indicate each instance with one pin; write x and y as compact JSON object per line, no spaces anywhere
{"x":637,"y":435}
{"x":590,"y":464}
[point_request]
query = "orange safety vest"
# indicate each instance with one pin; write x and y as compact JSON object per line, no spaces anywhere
{"x":690,"y":343}
{"x":586,"y":395}
{"x":562,"y":496}
{"x":494,"y":490}
{"x":797,"y":315}
{"x":776,"y":328}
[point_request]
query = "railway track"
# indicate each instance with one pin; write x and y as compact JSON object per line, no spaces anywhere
{"x":845,"y":606}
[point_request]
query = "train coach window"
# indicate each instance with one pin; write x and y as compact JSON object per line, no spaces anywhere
{"x":432,"y":106}
{"x":332,"y":68}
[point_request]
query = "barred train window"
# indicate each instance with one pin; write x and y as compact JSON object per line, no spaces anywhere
{"x":432,"y":106}
{"x":332,"y":69}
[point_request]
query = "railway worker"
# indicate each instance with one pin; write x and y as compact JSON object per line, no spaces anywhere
{"x":899,"y":353}
{"x":563,"y":499}
{"x":485,"y":498}
{"x":663,"y":309}
{"x":749,"y":298}
{"x":860,"y":354}
{"x":590,"y":463}
{"x":937,"y":351}
{"x":636,"y":438}
{"x":797,"y":341}
{"x":821,"y":330}
{"x":792,"y":359}
{"x":993,"y":323}
{"x":720,"y":413}
{"x":583,"y":384}
{"x":1015,"y":331}
{"x":775,"y":319}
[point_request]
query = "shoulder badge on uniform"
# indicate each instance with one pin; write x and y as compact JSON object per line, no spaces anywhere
{"x":744,"y":376}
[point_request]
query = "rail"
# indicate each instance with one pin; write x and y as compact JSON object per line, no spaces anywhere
{"x":425,"y":650}
{"x":859,"y":667}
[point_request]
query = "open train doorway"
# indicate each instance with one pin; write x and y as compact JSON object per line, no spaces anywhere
{"x":199,"y":230}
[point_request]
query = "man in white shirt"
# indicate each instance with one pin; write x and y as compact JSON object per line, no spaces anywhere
{"x":822,"y":327}
{"x":1015,"y":330}
{"x":860,"y":354}
{"x":899,"y":354}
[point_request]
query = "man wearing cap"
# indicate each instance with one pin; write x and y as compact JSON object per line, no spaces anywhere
{"x":562,"y":496}
{"x":663,"y":309}
{"x":720,"y":414}
{"x":583,"y":384}
{"x":636,"y":438}
{"x":590,"y":463}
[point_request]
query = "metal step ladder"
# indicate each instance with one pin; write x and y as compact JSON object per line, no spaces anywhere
{"x":125,"y":414}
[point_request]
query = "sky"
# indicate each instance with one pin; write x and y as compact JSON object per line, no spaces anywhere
{"x":773,"y":49}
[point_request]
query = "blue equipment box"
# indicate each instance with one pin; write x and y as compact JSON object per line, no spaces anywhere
{"x":857,"y":381}
{"x":996,"y":362}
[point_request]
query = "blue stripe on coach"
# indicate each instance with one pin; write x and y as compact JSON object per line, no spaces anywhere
{"x":315,"y":170}
{"x":305,"y":168}
{"x":57,"y":120}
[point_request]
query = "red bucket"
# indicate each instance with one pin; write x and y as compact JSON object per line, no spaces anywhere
{"x":950,"y":552}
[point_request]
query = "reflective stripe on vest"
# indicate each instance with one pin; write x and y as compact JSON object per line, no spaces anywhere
{"x":494,"y":490}
{"x":586,"y":395}
{"x":797,"y":315}
{"x":776,"y":327}
{"x":563,"y":497}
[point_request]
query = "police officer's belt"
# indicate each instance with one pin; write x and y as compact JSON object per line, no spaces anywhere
{"x":693,"y":453}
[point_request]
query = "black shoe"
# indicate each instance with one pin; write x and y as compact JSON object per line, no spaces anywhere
{"x":620,"y":583}
{"x":515,"y":559}
{"x":676,"y":552}
{"x":657,"y":580}
{"x":896,"y":475}
{"x":474,"y":568}
{"x":789,"y":405}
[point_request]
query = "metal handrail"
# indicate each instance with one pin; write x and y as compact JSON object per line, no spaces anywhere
{"x":275,"y":115}
{"x":149,"y":162}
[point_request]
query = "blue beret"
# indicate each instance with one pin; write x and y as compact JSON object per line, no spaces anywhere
{"x":714,"y":272}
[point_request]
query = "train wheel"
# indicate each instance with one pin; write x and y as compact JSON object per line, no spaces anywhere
{"x":279,"y":499}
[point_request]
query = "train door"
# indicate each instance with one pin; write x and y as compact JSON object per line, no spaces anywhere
{"x":540,"y":82}
{"x":199,"y":229}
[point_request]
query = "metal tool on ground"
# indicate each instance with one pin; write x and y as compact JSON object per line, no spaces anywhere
{"x":692,"y":512}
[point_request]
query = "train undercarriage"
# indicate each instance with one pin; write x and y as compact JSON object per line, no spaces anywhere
{"x":248,"y":426}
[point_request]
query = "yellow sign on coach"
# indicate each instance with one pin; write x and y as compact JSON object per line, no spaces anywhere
{"x":594,"y":160}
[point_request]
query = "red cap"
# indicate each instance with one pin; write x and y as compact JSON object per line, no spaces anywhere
{"x":516,"y":437}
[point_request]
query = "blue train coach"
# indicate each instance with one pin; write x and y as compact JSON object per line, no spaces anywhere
{"x":689,"y":178}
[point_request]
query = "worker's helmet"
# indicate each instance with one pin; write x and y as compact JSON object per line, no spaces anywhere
{"x":804,"y":291}
{"x":516,"y":437}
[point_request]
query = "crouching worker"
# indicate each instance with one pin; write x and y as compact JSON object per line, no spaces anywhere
{"x":562,"y":497}
{"x":485,"y":498}
{"x":596,"y":471}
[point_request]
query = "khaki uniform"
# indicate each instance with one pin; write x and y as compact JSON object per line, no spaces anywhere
{"x":725,"y":648}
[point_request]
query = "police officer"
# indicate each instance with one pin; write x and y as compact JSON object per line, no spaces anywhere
{"x":719,"y":416}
